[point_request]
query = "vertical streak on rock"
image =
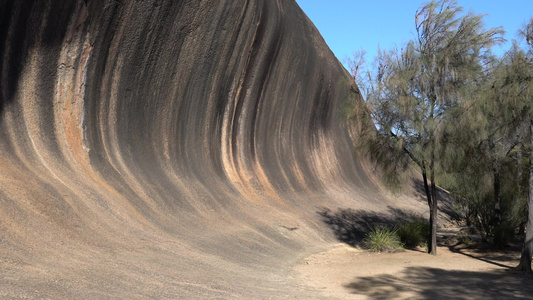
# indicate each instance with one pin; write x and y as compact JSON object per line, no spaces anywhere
{"x":240,"y":159}
{"x":230,"y":119}
{"x":70,"y":88}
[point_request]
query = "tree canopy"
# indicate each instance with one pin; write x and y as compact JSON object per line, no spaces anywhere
{"x":415,"y":91}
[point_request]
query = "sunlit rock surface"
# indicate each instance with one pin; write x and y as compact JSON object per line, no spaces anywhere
{"x":169,"y":149}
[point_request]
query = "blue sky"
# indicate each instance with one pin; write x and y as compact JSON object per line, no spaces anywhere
{"x":349,"y":25}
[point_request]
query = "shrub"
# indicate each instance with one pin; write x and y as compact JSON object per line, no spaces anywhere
{"x":414,"y":232}
{"x":464,"y":239}
{"x":382,"y":239}
{"x":503,"y":234}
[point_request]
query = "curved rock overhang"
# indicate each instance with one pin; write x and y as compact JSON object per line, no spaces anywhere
{"x":161,"y":148}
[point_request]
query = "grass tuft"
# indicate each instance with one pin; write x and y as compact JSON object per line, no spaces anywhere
{"x":382,"y":239}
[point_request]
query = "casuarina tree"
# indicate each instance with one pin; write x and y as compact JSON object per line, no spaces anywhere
{"x":413,"y":90}
{"x":519,"y":82}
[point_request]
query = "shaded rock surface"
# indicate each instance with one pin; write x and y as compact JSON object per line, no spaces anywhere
{"x":169,"y":149}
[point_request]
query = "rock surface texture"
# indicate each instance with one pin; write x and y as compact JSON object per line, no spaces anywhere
{"x":168,"y":149}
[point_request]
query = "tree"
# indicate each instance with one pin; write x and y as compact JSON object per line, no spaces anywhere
{"x":519,"y":81}
{"x":356,"y":64}
{"x":414,"y":90}
{"x":487,"y":176}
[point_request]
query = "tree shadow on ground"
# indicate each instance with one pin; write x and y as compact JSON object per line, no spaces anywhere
{"x":350,"y":226}
{"x":486,"y":254}
{"x":433,"y":283}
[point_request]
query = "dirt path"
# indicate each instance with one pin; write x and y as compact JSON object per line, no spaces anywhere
{"x":456,"y":273}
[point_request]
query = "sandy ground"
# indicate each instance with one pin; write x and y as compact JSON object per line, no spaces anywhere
{"x":345,"y":272}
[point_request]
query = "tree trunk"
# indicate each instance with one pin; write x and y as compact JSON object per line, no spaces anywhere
{"x":527,"y":250}
{"x":433,"y":209}
{"x":426,"y":185}
{"x":497,"y":198}
{"x":430,"y":204}
{"x":432,"y":196}
{"x":522,"y":226}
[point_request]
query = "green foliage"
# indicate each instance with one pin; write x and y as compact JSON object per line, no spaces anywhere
{"x":347,"y":109}
{"x":382,"y":239}
{"x":414,"y":232}
{"x":464,"y":239}
{"x":475,"y":200}
{"x":410,"y":232}
{"x":417,"y":94}
{"x":482,"y":216}
{"x":489,"y":179}
{"x":413,"y":93}
{"x":445,"y":103}
{"x":503,"y":234}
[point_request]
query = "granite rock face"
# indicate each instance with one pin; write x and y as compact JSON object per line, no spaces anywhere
{"x":168,"y":148}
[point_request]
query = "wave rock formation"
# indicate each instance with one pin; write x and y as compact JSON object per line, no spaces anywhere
{"x":168,"y":149}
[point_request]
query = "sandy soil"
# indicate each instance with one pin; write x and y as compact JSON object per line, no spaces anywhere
{"x":345,"y":272}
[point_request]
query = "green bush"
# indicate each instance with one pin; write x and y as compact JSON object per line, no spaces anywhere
{"x":382,"y":239}
{"x":464,"y":239}
{"x":503,"y":234}
{"x":414,"y":232}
